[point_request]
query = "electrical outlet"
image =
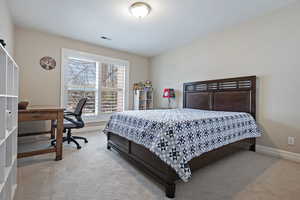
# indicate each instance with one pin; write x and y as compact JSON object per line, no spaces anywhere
{"x":291,"y":140}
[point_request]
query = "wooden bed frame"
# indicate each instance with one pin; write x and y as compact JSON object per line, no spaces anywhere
{"x":234,"y":94}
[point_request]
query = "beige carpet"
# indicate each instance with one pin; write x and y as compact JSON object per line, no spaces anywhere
{"x":93,"y":173}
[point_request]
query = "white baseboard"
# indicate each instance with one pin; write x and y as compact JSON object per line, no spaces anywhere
{"x":89,"y":129}
{"x":278,"y":153}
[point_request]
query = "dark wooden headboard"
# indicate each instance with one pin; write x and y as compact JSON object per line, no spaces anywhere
{"x":232,"y":94}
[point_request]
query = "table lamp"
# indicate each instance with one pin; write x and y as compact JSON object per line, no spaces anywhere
{"x":169,"y":93}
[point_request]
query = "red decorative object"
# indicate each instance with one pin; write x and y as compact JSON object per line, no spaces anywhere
{"x":169,"y":93}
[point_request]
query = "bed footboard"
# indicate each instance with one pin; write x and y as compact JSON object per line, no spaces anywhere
{"x":149,"y":163}
{"x":145,"y":161}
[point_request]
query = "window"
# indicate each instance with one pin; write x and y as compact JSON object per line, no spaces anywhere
{"x":81,"y":81}
{"x":112,"y":88}
{"x":100,"y":79}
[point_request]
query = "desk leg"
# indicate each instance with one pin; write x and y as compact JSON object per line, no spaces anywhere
{"x":52,"y":130}
{"x":59,"y":135}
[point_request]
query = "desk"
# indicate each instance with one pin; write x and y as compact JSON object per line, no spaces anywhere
{"x":41,"y":114}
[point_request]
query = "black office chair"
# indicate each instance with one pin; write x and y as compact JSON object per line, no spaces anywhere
{"x":73,"y":120}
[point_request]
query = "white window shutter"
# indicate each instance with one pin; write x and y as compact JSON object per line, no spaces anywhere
{"x":103,"y":80}
{"x":81,"y":81}
{"x":112,"y":88}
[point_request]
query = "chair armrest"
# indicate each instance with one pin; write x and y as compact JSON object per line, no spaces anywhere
{"x":70,"y":120}
{"x":67,"y":113}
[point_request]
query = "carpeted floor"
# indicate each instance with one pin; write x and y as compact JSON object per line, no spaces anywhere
{"x":94,"y":173}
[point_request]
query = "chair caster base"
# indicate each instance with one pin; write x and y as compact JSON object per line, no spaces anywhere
{"x":108,"y":147}
{"x":70,"y":139}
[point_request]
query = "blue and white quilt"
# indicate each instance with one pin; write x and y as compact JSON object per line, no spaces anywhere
{"x":177,"y":136}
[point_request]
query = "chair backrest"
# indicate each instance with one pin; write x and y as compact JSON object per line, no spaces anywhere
{"x":79,"y":107}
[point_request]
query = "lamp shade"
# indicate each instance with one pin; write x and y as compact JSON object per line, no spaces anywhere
{"x":169,"y":93}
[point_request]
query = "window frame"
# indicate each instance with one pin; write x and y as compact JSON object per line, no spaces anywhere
{"x":67,"y":53}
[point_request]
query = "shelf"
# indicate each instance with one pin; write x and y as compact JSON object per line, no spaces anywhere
{"x":9,"y":78}
{"x":143,"y":99}
{"x":2,"y":118}
{"x":2,"y":71}
{"x":2,"y":163}
{"x":7,"y":54}
{"x":7,"y":172}
{"x":11,"y":131}
{"x":9,"y":86}
{"x":13,"y":192}
{"x":8,"y":133}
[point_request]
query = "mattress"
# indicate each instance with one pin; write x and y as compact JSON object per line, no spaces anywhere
{"x":177,"y":136}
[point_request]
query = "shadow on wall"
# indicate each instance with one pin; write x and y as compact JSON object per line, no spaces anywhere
{"x":279,"y":132}
{"x":275,"y":133}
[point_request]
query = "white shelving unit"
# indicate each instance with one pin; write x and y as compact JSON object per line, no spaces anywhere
{"x":9,"y":87}
{"x":143,"y":99}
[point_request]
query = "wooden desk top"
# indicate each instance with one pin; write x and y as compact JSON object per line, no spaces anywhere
{"x":33,"y":109}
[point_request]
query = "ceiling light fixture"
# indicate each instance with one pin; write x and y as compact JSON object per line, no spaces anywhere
{"x":140,"y":9}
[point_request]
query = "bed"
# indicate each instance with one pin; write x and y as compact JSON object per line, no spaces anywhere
{"x":168,"y":145}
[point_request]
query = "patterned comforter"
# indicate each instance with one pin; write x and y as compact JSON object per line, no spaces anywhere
{"x":178,"y":135}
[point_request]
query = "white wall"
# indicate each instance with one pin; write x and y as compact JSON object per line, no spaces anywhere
{"x":41,"y":87}
{"x":6,"y":26}
{"x":268,"y":47}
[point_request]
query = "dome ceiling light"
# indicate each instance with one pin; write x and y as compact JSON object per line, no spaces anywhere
{"x":140,"y":9}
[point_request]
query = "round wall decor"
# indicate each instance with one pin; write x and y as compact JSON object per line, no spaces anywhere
{"x":48,"y":63}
